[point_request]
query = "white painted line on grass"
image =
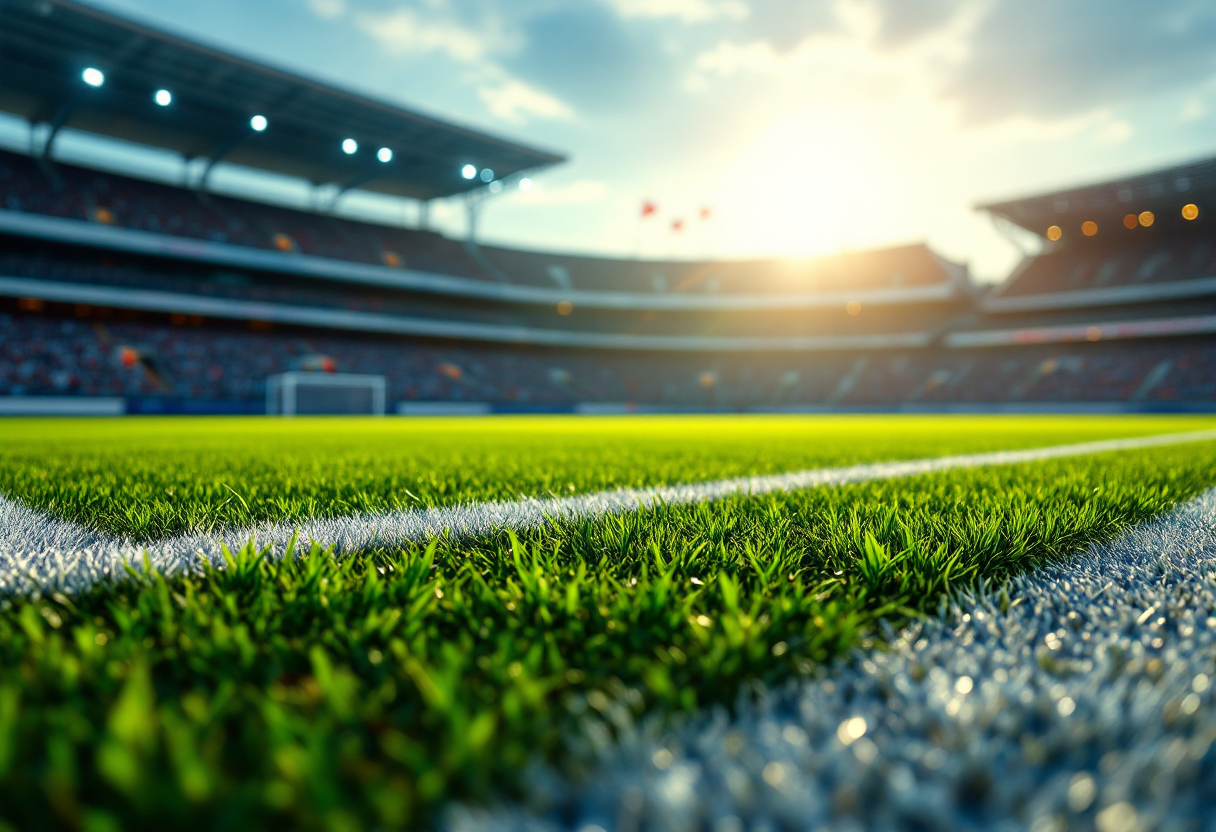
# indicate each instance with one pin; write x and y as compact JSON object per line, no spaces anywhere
{"x":1081,"y":695}
{"x":39,"y":549}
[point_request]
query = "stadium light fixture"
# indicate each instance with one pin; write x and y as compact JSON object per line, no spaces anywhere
{"x":487,"y":175}
{"x":93,"y":76}
{"x":468,"y":172}
{"x":525,"y":184}
{"x":350,"y":147}
{"x":259,"y":123}
{"x":385,"y":155}
{"x":1190,"y":211}
{"x":163,"y":98}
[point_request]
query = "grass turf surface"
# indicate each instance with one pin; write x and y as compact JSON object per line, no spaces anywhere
{"x":151,"y":478}
{"x":363,"y":693}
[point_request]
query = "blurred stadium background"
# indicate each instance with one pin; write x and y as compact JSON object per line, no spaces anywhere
{"x":121,"y":294}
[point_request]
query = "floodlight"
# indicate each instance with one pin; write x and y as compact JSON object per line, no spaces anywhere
{"x":259,"y":123}
{"x":385,"y":155}
{"x":525,"y":184}
{"x":163,"y":97}
{"x":487,"y":175}
{"x":350,"y":147}
{"x":93,"y":76}
{"x":468,"y":172}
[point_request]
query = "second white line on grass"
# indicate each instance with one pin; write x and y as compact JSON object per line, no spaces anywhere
{"x":37,"y":549}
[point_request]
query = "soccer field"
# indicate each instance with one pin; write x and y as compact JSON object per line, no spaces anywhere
{"x":371,"y":686}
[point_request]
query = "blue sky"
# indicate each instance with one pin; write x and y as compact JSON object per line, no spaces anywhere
{"x":808,"y":126}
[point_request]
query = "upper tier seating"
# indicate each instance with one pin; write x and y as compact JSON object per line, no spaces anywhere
{"x":1100,"y":264}
{"x":63,"y":190}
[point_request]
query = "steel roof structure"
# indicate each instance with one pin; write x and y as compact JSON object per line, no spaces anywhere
{"x":1161,"y":191}
{"x":46,"y":45}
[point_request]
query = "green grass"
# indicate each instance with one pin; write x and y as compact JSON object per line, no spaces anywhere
{"x":363,"y":693}
{"x":150,"y":478}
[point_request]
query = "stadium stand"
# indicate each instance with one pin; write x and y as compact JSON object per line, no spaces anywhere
{"x":113,"y":285}
{"x":46,"y":354}
{"x":125,"y":202}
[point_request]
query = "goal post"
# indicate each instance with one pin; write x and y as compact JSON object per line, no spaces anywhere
{"x":309,"y":394}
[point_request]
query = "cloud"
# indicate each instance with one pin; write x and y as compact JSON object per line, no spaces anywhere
{"x":901,"y":21}
{"x":407,"y":32}
{"x":514,"y":101}
{"x":576,"y":193}
{"x":1047,"y":58}
{"x":686,"y":11}
{"x":327,"y":9}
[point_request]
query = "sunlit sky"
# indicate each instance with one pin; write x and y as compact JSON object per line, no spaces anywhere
{"x":809,"y":126}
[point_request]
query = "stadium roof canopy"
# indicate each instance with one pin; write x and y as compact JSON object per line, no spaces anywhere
{"x":46,"y":46}
{"x":1163,"y":192}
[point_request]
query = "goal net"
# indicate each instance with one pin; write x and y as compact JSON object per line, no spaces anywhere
{"x":292,"y":394}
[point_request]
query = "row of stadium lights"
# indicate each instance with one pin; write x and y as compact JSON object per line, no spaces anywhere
{"x":95,"y":78}
{"x":1144,"y":219}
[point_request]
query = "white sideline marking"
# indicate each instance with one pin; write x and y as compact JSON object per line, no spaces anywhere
{"x":972,"y":687}
{"x":37,"y":549}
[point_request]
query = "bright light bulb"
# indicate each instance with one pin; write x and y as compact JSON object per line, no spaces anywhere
{"x":350,"y":147}
{"x":487,"y":175}
{"x":468,"y":172}
{"x":163,"y":97}
{"x":385,"y":155}
{"x":525,"y":184}
{"x":259,"y":123}
{"x":93,"y":76}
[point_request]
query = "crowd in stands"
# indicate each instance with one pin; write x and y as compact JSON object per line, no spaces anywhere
{"x":62,"y":190}
{"x":42,"y":354}
{"x":1141,"y":258}
{"x":135,"y":273}
{"x":897,"y":268}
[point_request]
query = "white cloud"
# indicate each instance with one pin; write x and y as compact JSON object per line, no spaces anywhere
{"x":327,"y":9}
{"x":513,"y":100}
{"x":406,"y":32}
{"x":1193,"y":110}
{"x":688,"y":11}
{"x":1116,"y":132}
{"x":576,"y":193}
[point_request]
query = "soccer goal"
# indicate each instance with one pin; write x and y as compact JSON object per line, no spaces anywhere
{"x":292,"y":394}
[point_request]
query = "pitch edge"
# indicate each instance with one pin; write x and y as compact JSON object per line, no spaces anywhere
{"x":41,"y":551}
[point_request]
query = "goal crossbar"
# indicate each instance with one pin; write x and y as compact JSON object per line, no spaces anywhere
{"x":304,"y":393}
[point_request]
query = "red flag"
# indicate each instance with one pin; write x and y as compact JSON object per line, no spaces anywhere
{"x":649,"y":209}
{"x":707,"y":212}
{"x":677,"y":225}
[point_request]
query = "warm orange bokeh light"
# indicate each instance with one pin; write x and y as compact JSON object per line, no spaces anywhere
{"x":1089,"y":228}
{"x":1190,"y":211}
{"x":853,"y":307}
{"x":1130,"y":221}
{"x":565,"y":307}
{"x":1054,"y":233}
{"x":1146,"y":219}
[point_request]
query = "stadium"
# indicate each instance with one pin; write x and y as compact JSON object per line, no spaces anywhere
{"x":843,"y":542}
